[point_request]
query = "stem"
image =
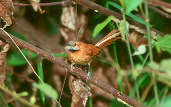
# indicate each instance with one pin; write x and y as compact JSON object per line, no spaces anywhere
{"x":155,"y":88}
{"x":148,"y":30}
{"x":130,"y":57}
{"x":156,"y":93}
{"x":128,"y":45}
{"x":137,"y":90}
{"x":150,"y":49}
{"x":117,"y":66}
{"x":131,"y":60}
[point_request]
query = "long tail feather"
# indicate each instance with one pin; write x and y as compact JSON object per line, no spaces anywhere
{"x":108,"y":39}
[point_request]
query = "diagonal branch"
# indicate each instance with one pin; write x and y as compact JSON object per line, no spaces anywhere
{"x":77,"y":71}
{"x":165,"y":14}
{"x":160,"y":3}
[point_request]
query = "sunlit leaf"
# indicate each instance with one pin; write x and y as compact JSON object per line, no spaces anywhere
{"x":163,"y":43}
{"x":47,"y":89}
{"x":140,"y":50}
{"x":99,"y":27}
{"x":32,"y":99}
{"x":166,"y":102}
{"x":165,"y":65}
{"x":131,"y":5}
{"x":22,"y":94}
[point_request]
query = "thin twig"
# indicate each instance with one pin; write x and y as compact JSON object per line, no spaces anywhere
{"x":160,"y":3}
{"x":160,"y":12}
{"x":45,"y":4}
{"x":77,"y":72}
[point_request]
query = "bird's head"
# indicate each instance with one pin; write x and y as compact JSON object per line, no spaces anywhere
{"x":72,"y":47}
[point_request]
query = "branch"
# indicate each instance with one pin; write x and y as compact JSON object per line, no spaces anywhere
{"x":77,"y":71}
{"x":45,"y":4}
{"x":136,"y":26}
{"x":160,"y":12}
{"x":160,"y":3}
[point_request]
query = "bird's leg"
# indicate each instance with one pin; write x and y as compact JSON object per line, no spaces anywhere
{"x":89,"y":72}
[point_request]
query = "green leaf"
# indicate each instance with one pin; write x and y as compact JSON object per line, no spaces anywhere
{"x":60,"y":55}
{"x":41,"y":75}
{"x":117,"y":6}
{"x":99,"y":27}
{"x":16,"y":59}
{"x":163,"y":43}
{"x":47,"y":89}
{"x":131,"y":5}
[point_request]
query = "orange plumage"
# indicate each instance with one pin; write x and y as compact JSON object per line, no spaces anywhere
{"x":82,"y":53}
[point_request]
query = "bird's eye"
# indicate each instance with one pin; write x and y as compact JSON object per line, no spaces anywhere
{"x":71,"y":43}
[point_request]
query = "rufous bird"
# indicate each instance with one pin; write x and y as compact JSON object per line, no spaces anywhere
{"x":82,"y":53}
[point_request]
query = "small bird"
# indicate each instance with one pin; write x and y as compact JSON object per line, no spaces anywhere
{"x":82,"y":53}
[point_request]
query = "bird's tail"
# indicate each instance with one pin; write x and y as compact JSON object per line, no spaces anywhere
{"x":108,"y":39}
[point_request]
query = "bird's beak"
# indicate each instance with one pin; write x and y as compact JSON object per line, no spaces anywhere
{"x":72,"y":48}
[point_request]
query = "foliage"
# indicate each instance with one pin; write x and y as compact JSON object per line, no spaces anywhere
{"x":47,"y":89}
{"x":131,"y":5}
{"x":41,"y":75}
{"x":163,"y":43}
{"x":101,"y":26}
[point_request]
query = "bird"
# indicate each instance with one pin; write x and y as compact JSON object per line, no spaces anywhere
{"x":82,"y":53}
